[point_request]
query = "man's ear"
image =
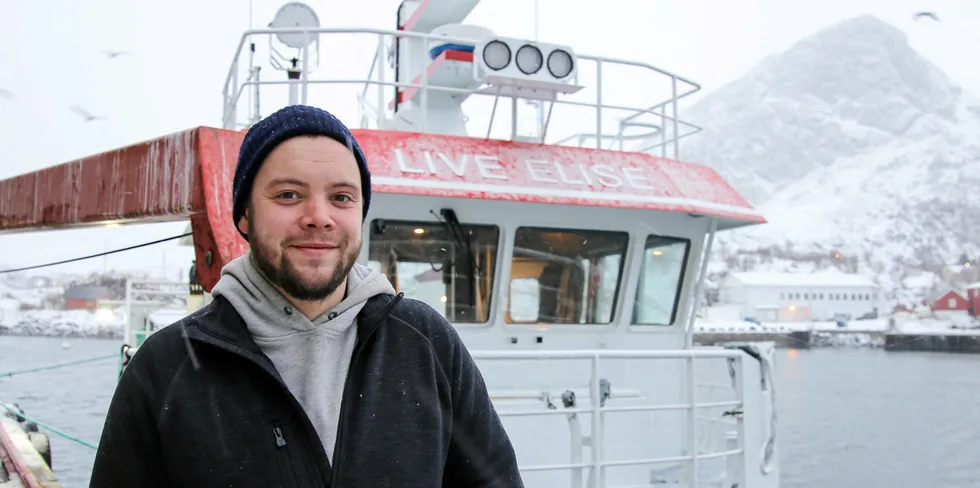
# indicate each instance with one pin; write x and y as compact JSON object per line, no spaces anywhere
{"x":243,"y":223}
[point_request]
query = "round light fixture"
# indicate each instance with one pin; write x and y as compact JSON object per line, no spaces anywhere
{"x":496,"y":55}
{"x":560,"y":63}
{"x":529,"y":59}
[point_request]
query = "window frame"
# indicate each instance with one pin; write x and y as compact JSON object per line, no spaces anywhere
{"x":678,"y":293}
{"x":501,"y":240}
{"x":618,"y":296}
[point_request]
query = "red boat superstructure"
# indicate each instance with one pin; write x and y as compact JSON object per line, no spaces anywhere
{"x":188,"y":175}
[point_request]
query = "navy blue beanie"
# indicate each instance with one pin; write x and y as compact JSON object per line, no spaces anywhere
{"x":289,"y":122}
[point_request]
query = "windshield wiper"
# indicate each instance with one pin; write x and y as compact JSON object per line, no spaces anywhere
{"x":451,"y":222}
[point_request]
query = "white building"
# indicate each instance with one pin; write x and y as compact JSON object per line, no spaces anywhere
{"x":798,"y":297}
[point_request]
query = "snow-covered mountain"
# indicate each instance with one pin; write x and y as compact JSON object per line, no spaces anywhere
{"x":851,"y":143}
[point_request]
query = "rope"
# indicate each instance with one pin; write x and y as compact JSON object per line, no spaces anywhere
{"x":56,"y":366}
{"x":72,"y":260}
{"x":53,"y":430}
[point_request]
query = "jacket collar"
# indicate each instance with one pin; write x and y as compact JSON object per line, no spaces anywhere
{"x":222,"y":326}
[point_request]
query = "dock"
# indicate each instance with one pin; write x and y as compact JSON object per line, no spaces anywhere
{"x":963,"y":343}
{"x":23,"y":465}
{"x":953,"y":341}
{"x":799,"y":339}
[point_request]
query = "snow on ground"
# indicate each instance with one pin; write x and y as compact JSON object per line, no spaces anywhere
{"x":61,"y":323}
{"x":907,"y":326}
{"x":35,"y":297}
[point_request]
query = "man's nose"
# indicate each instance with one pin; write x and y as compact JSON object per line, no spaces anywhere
{"x":318,"y":213}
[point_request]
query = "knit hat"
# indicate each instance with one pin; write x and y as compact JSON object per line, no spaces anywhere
{"x":289,"y":122}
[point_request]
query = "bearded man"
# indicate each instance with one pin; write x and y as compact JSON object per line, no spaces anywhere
{"x":306,"y":370}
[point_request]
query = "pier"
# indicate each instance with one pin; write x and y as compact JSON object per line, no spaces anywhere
{"x":800,"y":339}
{"x":953,"y":342}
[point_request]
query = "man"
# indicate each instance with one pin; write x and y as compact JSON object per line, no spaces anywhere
{"x":306,"y":369}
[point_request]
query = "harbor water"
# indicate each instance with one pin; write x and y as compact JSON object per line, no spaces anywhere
{"x":848,"y":417}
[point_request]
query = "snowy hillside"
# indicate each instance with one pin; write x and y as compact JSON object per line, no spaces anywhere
{"x":851,"y":143}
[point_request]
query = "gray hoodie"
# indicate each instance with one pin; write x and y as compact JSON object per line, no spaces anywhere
{"x":311,"y":356}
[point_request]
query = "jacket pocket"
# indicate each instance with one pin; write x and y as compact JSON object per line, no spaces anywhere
{"x":283,"y":457}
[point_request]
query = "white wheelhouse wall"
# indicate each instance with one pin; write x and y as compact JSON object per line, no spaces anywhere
{"x":508,"y":216}
{"x":526,"y":389}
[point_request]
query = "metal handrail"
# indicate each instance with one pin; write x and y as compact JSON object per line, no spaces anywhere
{"x":446,"y":89}
{"x":418,"y":35}
{"x":597,"y":410}
{"x":232,"y":95}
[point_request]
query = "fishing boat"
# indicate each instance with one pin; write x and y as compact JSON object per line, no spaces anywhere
{"x":570,"y":254}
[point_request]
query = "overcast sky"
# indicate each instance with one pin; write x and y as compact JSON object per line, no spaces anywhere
{"x":52,"y":57}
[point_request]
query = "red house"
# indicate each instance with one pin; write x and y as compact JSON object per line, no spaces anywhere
{"x":951,"y":301}
{"x":973,"y":296}
{"x":85,"y":296}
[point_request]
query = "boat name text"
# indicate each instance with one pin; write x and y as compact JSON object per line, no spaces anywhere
{"x":477,"y":166}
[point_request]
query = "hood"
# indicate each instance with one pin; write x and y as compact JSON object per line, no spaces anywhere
{"x":268,"y":314}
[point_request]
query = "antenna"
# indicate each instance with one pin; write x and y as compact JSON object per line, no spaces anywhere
{"x":541,"y":120}
{"x":295,"y":15}
{"x":536,"y":21}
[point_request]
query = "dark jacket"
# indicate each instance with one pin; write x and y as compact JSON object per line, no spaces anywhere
{"x":200,"y":405}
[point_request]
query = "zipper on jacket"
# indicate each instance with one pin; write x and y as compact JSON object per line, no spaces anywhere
{"x":310,"y":430}
{"x":285,"y":462}
{"x":338,"y":444}
{"x":280,"y":440}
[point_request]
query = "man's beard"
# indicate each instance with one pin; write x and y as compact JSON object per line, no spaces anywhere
{"x":288,"y":278}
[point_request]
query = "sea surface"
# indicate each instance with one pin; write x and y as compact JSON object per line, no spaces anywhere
{"x":848,"y":417}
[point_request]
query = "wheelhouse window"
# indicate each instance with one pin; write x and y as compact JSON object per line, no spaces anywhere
{"x":661,"y":276}
{"x":565,"y":276}
{"x":448,"y":265}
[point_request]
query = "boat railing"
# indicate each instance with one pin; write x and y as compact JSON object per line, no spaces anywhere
{"x":656,"y":116}
{"x":697,"y":400}
{"x":142,"y":298}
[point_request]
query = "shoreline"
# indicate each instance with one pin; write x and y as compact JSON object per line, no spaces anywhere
{"x":954,"y":341}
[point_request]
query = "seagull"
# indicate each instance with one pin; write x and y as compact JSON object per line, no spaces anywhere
{"x":6,"y":94}
{"x":923,"y":15}
{"x":85,"y":114}
{"x":114,"y":54}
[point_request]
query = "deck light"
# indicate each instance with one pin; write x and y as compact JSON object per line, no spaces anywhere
{"x":496,"y":55}
{"x":529,"y":59}
{"x":559,"y":63}
{"x":513,"y":68}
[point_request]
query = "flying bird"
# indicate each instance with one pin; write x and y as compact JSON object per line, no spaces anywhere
{"x":6,"y":94}
{"x":85,"y":114}
{"x":926,"y":15}
{"x":114,"y":54}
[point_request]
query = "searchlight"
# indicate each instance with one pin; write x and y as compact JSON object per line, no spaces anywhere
{"x":526,"y":69}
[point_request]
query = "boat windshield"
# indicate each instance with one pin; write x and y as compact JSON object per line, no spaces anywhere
{"x":661,"y":277}
{"x":557,"y":276}
{"x":449,"y":266}
{"x":564,"y":276}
